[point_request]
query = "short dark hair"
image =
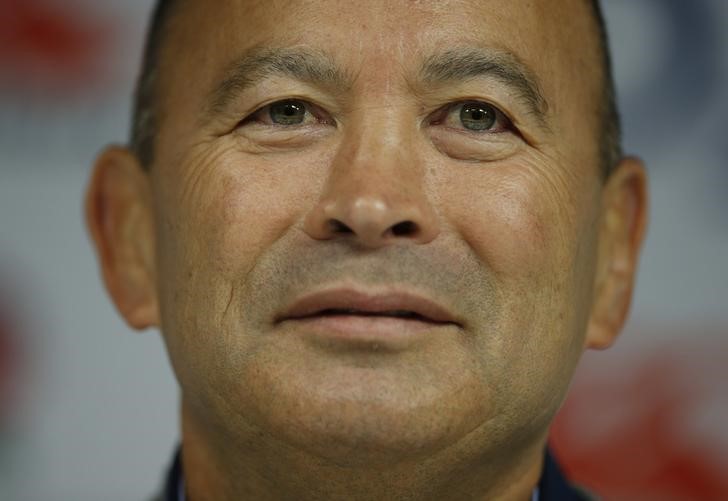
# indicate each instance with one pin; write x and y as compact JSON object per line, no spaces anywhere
{"x":145,"y":113}
{"x":610,"y":145}
{"x":145,"y":116}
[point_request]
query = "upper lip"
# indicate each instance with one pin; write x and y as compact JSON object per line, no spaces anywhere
{"x":364,"y":302}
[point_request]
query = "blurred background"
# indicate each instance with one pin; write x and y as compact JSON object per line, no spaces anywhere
{"x":88,"y":408}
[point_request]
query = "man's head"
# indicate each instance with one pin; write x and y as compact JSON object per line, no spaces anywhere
{"x":376,"y":236}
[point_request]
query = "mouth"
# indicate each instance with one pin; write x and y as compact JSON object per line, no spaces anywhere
{"x":349,"y":303}
{"x":342,"y":312}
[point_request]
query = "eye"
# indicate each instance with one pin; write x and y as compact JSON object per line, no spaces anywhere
{"x":474,"y":116}
{"x":288,"y":113}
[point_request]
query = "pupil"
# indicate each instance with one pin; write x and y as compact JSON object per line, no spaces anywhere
{"x":288,"y":113}
{"x":478,"y":116}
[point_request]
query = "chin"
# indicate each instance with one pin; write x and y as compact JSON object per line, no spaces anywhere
{"x":373,"y":423}
{"x":361,"y":440}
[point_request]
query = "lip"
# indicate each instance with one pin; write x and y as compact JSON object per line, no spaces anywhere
{"x":360,"y":314}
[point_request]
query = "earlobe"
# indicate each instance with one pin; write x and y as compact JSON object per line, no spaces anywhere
{"x":119,"y":218}
{"x":623,"y":223}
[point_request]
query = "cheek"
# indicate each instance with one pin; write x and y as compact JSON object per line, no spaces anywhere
{"x":234,"y":206}
{"x":251,"y":211}
{"x":506,"y":221}
{"x":218,"y":213}
{"x":525,"y":228}
{"x":215,"y":219}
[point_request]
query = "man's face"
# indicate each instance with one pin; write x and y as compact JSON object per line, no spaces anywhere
{"x":441,"y":151}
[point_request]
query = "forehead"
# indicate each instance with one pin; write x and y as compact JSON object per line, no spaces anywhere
{"x":550,"y":35}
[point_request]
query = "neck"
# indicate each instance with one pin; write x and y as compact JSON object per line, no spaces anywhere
{"x":254,"y":465}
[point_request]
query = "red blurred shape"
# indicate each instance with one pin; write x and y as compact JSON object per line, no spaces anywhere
{"x":43,"y":43}
{"x":649,"y":423}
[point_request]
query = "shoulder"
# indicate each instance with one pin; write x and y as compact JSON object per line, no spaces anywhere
{"x":583,"y":494}
{"x":554,"y":486}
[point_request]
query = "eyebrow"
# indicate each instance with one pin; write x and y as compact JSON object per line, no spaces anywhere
{"x":319,"y":69}
{"x":462,"y":64}
{"x":258,"y":64}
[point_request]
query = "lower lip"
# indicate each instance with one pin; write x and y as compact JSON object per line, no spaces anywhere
{"x":386,"y":331}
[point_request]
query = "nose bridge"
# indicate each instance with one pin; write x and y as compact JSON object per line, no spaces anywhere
{"x":375,"y":192}
{"x":380,"y":145}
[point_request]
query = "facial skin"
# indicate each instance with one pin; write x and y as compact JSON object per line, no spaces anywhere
{"x":512,"y":230}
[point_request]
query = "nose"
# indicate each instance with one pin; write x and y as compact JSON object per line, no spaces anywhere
{"x":374,"y":195}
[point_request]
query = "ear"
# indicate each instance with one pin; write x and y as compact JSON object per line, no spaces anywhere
{"x":119,"y":217}
{"x":622,"y":230}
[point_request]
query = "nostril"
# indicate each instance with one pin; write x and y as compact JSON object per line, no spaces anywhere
{"x":404,"y":228}
{"x":337,"y":227}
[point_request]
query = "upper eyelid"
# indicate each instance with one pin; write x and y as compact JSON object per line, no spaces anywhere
{"x":307,"y":104}
{"x":497,"y":108}
{"x":261,"y":109}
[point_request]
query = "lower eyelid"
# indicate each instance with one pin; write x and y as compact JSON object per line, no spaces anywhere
{"x":462,"y":145}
